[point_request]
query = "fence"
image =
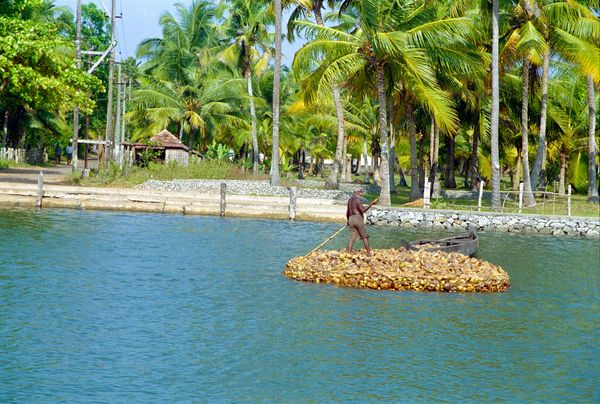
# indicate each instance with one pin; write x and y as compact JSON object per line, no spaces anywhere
{"x":546,"y":202}
{"x":16,"y":155}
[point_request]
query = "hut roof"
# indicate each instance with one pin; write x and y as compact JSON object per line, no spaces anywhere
{"x":166,"y":138}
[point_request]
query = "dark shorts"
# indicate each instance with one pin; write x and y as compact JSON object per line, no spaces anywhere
{"x":356,"y":224}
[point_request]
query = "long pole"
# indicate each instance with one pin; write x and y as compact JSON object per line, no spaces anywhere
{"x":111,"y":75}
{"x":122,"y":137}
{"x":325,"y":242}
{"x":76,"y":111}
{"x":117,"y":145}
{"x":87,"y":136}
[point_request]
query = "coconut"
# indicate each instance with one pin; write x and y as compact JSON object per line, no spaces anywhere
{"x":400,"y":269}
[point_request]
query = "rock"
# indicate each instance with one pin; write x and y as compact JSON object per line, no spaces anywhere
{"x":593,"y":233}
{"x":483,"y":221}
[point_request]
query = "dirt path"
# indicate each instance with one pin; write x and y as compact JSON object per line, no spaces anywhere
{"x":53,"y":174}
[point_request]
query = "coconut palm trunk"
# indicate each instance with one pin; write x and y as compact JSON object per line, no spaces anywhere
{"x":333,"y":181}
{"x":450,"y":179}
{"x":537,"y":173}
{"x":253,"y":119}
{"x":415,"y":191}
{"x":592,"y":188}
{"x":474,"y":169}
{"x":5,"y":129}
{"x":495,"y":110}
{"x":434,"y":156}
{"x":276,"y":95}
{"x":366,"y":155}
{"x":562,"y":173}
{"x":517,"y":176}
{"x":392,"y":147}
{"x":384,"y":198}
{"x":527,"y":191}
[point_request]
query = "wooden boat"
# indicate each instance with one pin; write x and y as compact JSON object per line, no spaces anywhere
{"x":466,"y":245}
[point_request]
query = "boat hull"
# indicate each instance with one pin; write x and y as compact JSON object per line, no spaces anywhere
{"x":466,"y":245}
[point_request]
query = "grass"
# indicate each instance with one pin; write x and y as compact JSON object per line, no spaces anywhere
{"x":197,"y":169}
{"x":4,"y":164}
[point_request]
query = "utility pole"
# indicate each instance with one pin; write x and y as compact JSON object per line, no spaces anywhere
{"x":108,"y":136}
{"x":117,"y":144}
{"x":122,"y":137}
{"x":76,"y":111}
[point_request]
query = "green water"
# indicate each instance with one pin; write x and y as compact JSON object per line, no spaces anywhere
{"x":119,"y":307}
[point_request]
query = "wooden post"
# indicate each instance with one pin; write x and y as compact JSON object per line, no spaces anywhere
{"x":520,"y":196}
{"x":481,"y":184}
{"x":292,"y":207}
{"x":223,"y":192}
{"x":40,"y":190}
{"x":569,"y":200}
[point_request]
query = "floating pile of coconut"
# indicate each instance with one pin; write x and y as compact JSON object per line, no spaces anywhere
{"x":399,"y":269}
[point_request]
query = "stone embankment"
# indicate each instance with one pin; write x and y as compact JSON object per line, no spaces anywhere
{"x":259,"y":199}
{"x":239,"y":187}
{"x":188,"y":202}
{"x":399,"y":269}
{"x":452,"y":220}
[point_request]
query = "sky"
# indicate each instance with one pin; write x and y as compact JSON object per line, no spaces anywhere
{"x":140,"y":21}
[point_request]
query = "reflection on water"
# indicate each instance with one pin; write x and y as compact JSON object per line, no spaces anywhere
{"x":142,"y":307}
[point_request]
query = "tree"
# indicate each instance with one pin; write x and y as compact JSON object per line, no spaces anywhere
{"x":276,"y":94}
{"x":388,"y":41}
{"x":250,"y":51}
{"x":495,"y":108}
{"x":315,"y":7}
{"x":37,"y":70}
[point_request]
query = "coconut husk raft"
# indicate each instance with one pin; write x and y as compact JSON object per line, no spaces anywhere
{"x":400,"y":269}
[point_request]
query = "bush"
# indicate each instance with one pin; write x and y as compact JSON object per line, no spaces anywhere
{"x":4,"y":164}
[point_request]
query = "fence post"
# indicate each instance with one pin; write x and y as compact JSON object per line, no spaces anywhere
{"x":40,"y":190}
{"x":426,"y":193}
{"x":223,"y":191}
{"x":520,"y":196}
{"x":569,"y":200}
{"x":292,"y":207}
{"x":481,"y":183}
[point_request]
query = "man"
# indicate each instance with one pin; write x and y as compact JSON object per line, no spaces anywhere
{"x":57,"y":153}
{"x":69,"y":151}
{"x":356,"y":222}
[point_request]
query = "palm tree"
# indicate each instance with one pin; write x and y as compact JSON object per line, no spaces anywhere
{"x":250,"y":51}
{"x":276,"y":94}
{"x":575,"y":33}
{"x":198,"y":108}
{"x":495,"y":110}
{"x":389,"y":40}
{"x":592,"y":188}
{"x":315,"y":6}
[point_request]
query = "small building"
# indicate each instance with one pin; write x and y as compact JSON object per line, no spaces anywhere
{"x":166,"y":147}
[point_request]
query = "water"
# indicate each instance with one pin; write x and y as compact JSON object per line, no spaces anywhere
{"x":119,"y":307}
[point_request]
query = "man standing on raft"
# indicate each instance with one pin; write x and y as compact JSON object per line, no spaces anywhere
{"x":356,"y":221}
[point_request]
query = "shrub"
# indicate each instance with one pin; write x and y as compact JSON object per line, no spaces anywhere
{"x":197,"y":169}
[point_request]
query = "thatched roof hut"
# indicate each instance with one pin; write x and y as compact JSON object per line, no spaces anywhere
{"x":166,"y":145}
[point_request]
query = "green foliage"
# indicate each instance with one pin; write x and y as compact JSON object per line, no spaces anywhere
{"x":4,"y":164}
{"x":37,"y":68}
{"x":219,"y":151}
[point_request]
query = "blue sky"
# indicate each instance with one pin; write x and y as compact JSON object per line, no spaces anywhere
{"x":140,"y":21}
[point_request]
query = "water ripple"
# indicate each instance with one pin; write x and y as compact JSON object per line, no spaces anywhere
{"x":103,"y":307}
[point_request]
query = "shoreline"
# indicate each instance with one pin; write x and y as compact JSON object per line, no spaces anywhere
{"x":277,"y":207}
